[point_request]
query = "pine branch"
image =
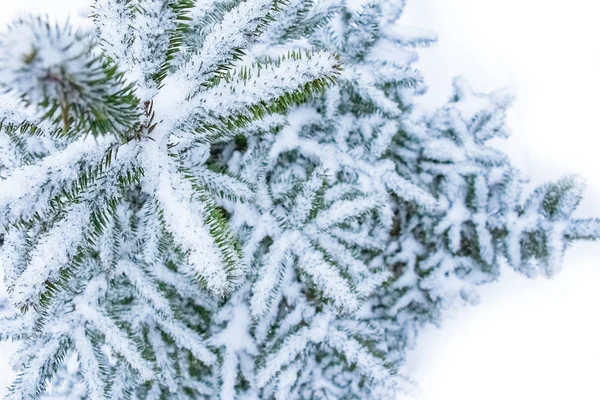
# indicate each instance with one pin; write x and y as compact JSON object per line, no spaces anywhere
{"x":58,"y":71}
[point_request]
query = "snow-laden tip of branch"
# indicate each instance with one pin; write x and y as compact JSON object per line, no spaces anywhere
{"x":358,"y":355}
{"x":59,"y":71}
{"x":410,"y":192}
{"x":116,"y":339}
{"x":167,"y":373}
{"x":584,"y":229}
{"x":29,"y":190}
{"x":308,"y":199}
{"x":235,"y":31}
{"x":146,"y":286}
{"x":264,"y":82}
{"x":410,"y":36}
{"x":88,"y":362}
{"x":33,"y":377}
{"x":188,"y":339}
{"x":53,"y":253}
{"x":272,"y":266}
{"x":37,"y":58}
{"x":292,"y":347}
{"x":344,"y":211}
{"x":185,"y":219}
{"x":326,"y":277}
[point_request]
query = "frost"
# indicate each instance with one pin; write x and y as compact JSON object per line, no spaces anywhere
{"x":239,"y":200}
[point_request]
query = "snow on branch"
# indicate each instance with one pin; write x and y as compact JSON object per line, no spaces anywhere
{"x":59,"y":71}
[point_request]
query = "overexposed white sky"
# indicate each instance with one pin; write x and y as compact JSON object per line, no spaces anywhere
{"x":528,"y":339}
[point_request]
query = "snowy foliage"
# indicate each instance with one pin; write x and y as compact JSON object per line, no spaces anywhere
{"x":237,"y":199}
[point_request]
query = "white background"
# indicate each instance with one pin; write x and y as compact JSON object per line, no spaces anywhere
{"x":528,"y":339}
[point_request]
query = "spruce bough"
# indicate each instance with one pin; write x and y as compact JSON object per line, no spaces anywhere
{"x":238,"y":199}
